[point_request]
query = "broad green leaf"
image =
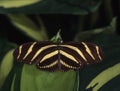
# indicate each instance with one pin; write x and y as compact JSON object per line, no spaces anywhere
{"x":101,"y":79}
{"x":58,"y":7}
{"x":6,"y":63}
{"x":6,"y":66}
{"x":34,"y":79}
{"x":16,"y":3}
{"x":28,"y":27}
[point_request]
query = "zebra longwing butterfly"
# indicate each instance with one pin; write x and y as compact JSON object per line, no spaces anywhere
{"x":51,"y":56}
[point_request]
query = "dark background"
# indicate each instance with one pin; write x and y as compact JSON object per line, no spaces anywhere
{"x":67,"y":23}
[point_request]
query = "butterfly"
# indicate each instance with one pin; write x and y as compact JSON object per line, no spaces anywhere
{"x":50,"y":56}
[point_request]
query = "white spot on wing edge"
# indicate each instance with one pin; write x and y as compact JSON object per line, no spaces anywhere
{"x":66,"y":65}
{"x":50,"y":65}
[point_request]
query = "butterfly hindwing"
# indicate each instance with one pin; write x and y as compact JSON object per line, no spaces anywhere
{"x":49,"y":59}
{"x":69,"y":59}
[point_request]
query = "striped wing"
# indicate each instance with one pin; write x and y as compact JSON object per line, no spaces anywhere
{"x":33,"y":52}
{"x":85,"y":53}
{"x":50,"y":56}
{"x":59,"y":59}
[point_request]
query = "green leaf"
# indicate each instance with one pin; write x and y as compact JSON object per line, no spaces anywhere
{"x":58,"y":7}
{"x":16,"y":4}
{"x":6,"y":66}
{"x":28,"y":27}
{"x":101,"y":79}
{"x":6,"y":61}
{"x":34,"y":79}
{"x":13,"y":83}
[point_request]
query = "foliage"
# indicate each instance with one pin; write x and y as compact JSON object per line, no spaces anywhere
{"x":14,"y":76}
{"x":49,"y":6}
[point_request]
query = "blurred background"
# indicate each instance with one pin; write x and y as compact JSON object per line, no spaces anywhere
{"x":95,"y":21}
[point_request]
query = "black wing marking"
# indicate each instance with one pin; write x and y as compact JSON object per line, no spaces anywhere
{"x":86,"y":53}
{"x":32,"y":52}
{"x":69,"y":59}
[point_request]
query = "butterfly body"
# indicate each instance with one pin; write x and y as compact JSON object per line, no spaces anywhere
{"x":51,"y":56}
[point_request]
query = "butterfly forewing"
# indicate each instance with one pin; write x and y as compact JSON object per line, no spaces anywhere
{"x":31,"y":52}
{"x":88,"y":53}
{"x":63,"y":56}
